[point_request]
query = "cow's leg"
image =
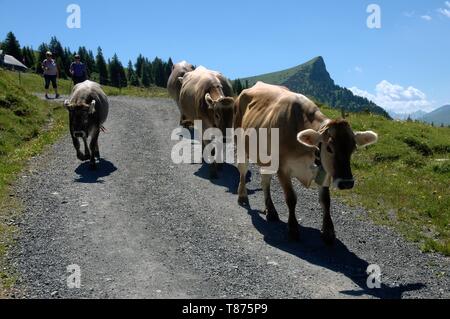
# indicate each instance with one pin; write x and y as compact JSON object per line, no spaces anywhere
{"x":328,"y":234}
{"x":271,"y":212}
{"x":87,"y":152}
{"x":242,"y":191}
{"x":76,"y":144}
{"x":94,"y":147}
{"x":213,"y":166}
{"x":97,"y":151}
{"x":291,"y":200}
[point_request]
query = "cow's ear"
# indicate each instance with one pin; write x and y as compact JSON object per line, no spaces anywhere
{"x":67,"y":104}
{"x":309,"y":138}
{"x":92,"y":107}
{"x":365,"y":138}
{"x":227,"y":101}
{"x":211,"y":103}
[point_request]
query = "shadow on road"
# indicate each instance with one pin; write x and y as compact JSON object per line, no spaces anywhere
{"x":336,"y":258}
{"x":87,"y":176}
{"x":228,"y":178}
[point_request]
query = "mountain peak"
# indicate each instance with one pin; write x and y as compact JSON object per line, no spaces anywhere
{"x":317,"y":61}
{"x":312,"y":79}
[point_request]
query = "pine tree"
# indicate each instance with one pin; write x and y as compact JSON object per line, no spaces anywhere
{"x":146,"y":79}
{"x":237,"y":86}
{"x":29,"y":58}
{"x":140,"y":61}
{"x":167,"y":70}
{"x":42,"y":50}
{"x":130,"y":71}
{"x":90,"y":62}
{"x":102,"y":67}
{"x":11,"y":46}
{"x":159,"y":72}
{"x":117,"y":73}
{"x":60,"y":56}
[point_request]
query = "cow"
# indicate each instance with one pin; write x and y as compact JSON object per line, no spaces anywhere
{"x":310,"y":145}
{"x":207,"y":96}
{"x":88,"y":108}
{"x":174,"y":86}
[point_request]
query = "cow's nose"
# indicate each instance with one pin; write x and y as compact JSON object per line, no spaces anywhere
{"x":344,"y":184}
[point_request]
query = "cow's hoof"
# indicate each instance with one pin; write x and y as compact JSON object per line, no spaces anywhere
{"x":93,"y":166}
{"x":81,"y":157}
{"x":272,"y":216}
{"x":328,"y":237}
{"x":97,"y":155}
{"x":243,"y":201}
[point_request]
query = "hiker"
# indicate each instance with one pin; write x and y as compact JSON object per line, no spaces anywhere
{"x":78,"y":71}
{"x":50,"y":74}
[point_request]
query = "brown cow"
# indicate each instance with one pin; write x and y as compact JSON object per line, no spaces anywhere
{"x":207,"y":96}
{"x":174,"y":86}
{"x":88,"y":108}
{"x":307,"y":138}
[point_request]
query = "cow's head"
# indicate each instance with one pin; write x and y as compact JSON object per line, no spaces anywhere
{"x":223,"y":109}
{"x":79,"y":117}
{"x":336,"y":142}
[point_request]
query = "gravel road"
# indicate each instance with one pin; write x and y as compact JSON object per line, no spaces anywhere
{"x":143,"y":227}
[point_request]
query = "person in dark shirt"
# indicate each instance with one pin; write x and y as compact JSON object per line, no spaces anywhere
{"x":78,"y":71}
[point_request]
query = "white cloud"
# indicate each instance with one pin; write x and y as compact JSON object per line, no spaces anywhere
{"x":445,"y":11}
{"x":409,"y":14}
{"x":396,"y":98}
{"x":426,"y":17}
{"x":359,"y":69}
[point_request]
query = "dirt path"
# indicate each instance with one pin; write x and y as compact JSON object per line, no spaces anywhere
{"x":146,"y":228}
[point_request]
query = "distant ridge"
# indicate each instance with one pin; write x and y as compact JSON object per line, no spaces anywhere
{"x":312,"y":79}
{"x":438,"y":117}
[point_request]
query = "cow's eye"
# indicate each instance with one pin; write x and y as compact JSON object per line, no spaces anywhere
{"x":329,"y":150}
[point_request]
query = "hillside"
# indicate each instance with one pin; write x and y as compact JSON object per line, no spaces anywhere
{"x":312,"y":79}
{"x":27,"y":125}
{"x":438,"y":117}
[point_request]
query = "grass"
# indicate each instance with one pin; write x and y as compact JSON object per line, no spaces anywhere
{"x":404,"y":180}
{"x":35,"y":83}
{"x":27,"y":125}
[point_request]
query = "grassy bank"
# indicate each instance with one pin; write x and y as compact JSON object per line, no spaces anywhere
{"x":35,"y":83}
{"x":404,"y":180}
{"x":27,"y":125}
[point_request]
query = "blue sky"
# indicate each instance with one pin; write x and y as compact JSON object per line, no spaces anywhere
{"x":403,"y":66}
